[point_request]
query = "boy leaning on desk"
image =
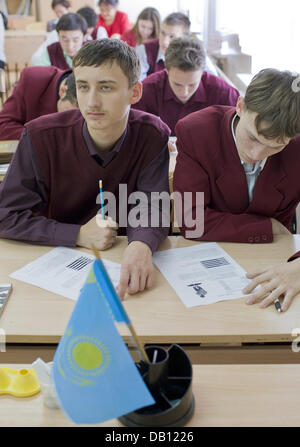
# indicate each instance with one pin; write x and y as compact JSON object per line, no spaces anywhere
{"x":246,"y":160}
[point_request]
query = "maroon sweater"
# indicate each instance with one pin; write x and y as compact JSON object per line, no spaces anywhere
{"x":152,"y":48}
{"x":51,"y":187}
{"x":35,"y":94}
{"x":57,"y":57}
{"x":158,"y":97}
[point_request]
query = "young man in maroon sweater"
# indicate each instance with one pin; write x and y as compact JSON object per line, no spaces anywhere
{"x":71,"y":29}
{"x":39,"y":91}
{"x":49,"y":195}
{"x":246,"y":162}
{"x":183,"y":87}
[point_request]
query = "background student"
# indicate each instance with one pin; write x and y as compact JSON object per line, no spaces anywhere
{"x":71,"y":29}
{"x":183,"y":86}
{"x":39,"y":91}
{"x":49,"y":194}
{"x":91,"y":18}
{"x":152,"y":53}
{"x":147,"y":27}
{"x":60,"y":7}
{"x":246,"y":161}
{"x":114,"y":21}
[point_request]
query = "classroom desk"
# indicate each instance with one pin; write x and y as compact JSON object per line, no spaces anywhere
{"x":225,"y":332}
{"x":225,"y":395}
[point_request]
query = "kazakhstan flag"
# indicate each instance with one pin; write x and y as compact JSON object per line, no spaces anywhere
{"x":94,"y":374}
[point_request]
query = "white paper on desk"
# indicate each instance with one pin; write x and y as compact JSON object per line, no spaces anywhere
{"x":202,"y":274}
{"x":63,"y":271}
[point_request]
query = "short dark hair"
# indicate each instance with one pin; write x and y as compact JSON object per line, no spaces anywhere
{"x":185,"y":53}
{"x":64,"y":3}
{"x":71,"y":95}
{"x":271,"y":95}
{"x":71,"y":22}
{"x":98,"y":52}
{"x":179,"y":19}
{"x":90,"y":15}
{"x":108,"y":2}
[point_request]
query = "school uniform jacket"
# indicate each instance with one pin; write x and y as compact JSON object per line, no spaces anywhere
{"x":208,"y":162}
{"x":35,"y":94}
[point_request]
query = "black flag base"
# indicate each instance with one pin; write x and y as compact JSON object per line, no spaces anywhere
{"x":169,"y":379}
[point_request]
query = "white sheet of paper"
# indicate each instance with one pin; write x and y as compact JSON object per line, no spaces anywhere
{"x":202,"y":274}
{"x":63,"y":271}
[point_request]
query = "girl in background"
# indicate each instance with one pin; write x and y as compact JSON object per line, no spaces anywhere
{"x":115,"y":22}
{"x":146,"y":28}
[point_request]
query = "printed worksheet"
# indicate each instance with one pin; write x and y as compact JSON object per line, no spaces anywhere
{"x":202,"y":274}
{"x":63,"y":271}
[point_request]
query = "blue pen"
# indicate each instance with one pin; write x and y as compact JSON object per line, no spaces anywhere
{"x":101,"y":199}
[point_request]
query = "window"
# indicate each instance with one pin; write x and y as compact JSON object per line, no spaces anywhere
{"x":268,"y":30}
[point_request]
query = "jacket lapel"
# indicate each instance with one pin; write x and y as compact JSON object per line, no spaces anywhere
{"x":267,"y":195}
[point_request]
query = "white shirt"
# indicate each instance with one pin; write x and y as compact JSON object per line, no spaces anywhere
{"x":142,"y":55}
{"x":252,"y":170}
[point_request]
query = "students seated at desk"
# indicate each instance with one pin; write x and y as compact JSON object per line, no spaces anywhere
{"x":115,"y":22}
{"x":246,"y":161}
{"x":146,"y":28}
{"x":49,"y":194}
{"x":39,"y":91}
{"x":152,"y":54}
{"x":60,"y":7}
{"x":183,"y":87}
{"x":71,"y":29}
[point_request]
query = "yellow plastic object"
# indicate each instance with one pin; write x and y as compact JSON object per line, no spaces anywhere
{"x":18,"y":382}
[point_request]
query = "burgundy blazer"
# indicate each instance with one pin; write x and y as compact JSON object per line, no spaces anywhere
{"x":295,"y":256}
{"x":35,"y":94}
{"x":57,"y":57}
{"x":208,"y":162}
{"x":152,"y":48}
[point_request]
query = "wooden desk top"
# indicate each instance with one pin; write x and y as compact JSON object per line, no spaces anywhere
{"x":225,"y":395}
{"x":34,"y":315}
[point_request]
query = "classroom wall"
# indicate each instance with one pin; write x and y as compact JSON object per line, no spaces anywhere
{"x":134,"y":7}
{"x":46,"y":13}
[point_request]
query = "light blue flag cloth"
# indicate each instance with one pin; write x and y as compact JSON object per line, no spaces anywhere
{"x":94,"y":374}
{"x":106,"y":288}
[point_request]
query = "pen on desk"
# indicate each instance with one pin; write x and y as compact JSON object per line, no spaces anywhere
{"x":101,"y":199}
{"x":277,"y":305}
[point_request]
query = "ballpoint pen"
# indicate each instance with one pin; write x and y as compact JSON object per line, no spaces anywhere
{"x":277,"y":305}
{"x":101,"y":199}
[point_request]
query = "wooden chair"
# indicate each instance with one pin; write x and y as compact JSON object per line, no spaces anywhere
{"x":10,"y":78}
